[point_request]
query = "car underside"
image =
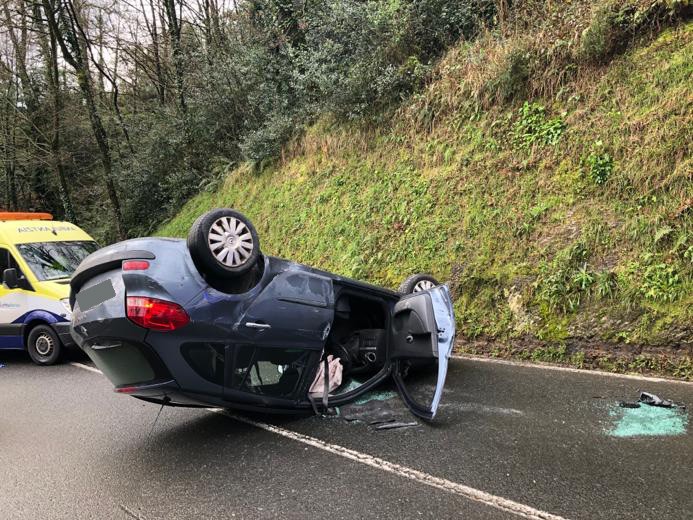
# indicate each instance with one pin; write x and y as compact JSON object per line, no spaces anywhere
{"x":277,"y":336}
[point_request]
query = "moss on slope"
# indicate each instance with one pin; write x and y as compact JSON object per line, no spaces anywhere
{"x":563,"y":221}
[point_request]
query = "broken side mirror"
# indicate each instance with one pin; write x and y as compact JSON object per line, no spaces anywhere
{"x":10,"y":278}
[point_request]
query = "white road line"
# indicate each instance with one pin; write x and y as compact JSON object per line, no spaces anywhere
{"x":470,"y":493}
{"x":128,"y":511}
{"x":85,"y":367}
{"x":583,"y":371}
{"x":482,"y":408}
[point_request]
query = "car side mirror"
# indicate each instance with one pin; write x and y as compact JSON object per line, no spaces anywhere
{"x":10,"y":278}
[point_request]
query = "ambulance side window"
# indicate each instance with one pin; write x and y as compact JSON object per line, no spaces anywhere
{"x":4,"y":259}
{"x":7,"y":261}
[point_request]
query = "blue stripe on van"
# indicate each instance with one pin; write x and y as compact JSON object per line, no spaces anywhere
{"x":39,"y":314}
{"x":12,"y":342}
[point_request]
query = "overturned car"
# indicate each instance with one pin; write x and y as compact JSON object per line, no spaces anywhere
{"x":214,"y":322}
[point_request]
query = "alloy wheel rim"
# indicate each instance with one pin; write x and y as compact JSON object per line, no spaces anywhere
{"x":423,"y":285}
{"x":44,"y":345}
{"x":230,"y":241}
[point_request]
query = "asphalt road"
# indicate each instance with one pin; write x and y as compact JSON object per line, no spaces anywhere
{"x":509,"y":441}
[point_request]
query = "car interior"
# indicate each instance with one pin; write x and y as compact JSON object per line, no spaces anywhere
{"x":358,"y":335}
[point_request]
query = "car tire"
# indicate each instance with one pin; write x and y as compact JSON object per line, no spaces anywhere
{"x":222,"y":230}
{"x":43,"y":345}
{"x":416,"y":283}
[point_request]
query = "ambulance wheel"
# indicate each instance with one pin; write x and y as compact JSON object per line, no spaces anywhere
{"x":43,"y":345}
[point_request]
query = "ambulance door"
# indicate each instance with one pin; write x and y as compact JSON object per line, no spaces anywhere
{"x":13,"y":303}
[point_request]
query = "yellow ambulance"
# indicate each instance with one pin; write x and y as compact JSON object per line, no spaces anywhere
{"x":37,"y":258}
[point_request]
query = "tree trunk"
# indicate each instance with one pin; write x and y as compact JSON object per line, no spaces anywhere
{"x":73,"y":47}
{"x":50,"y":61}
{"x":8,"y":145}
{"x":18,"y":35}
{"x":19,"y":42}
{"x":84,"y":82}
{"x":9,"y":155}
{"x":152,"y":27}
{"x":114,"y":96}
{"x":174,"y":29}
{"x":101,"y":61}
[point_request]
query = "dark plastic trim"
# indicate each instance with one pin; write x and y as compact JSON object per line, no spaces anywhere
{"x":417,"y":409}
{"x":97,"y":263}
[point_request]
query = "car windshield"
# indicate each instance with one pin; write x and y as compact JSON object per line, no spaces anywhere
{"x":55,"y":260}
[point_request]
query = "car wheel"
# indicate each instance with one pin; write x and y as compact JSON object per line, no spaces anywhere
{"x":43,"y":345}
{"x":223,"y":244}
{"x":417,"y":283}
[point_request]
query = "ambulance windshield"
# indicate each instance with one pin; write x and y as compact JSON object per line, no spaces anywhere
{"x":55,"y":260}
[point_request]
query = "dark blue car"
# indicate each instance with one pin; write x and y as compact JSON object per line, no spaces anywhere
{"x":214,"y":322}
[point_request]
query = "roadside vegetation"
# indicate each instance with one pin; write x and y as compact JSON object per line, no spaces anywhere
{"x":535,"y":154}
{"x":112,"y":114}
{"x":545,"y":171}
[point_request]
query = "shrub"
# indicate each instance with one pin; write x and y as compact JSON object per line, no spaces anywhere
{"x":614,"y":24}
{"x":688,"y":254}
{"x":266,"y":142}
{"x":432,"y":25}
{"x":563,"y":282}
{"x":608,"y":32}
{"x":511,"y":78}
{"x":605,"y":284}
{"x":660,"y":282}
{"x":600,"y":164}
{"x":352,"y":60}
{"x":533,"y":127}
{"x":584,"y":278}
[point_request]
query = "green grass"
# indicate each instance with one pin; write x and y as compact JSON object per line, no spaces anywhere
{"x":576,"y":210}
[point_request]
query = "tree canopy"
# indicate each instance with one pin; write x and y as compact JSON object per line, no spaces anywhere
{"x":112,"y":113}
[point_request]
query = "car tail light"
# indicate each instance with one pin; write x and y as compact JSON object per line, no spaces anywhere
{"x":135,"y":265}
{"x":155,"y":314}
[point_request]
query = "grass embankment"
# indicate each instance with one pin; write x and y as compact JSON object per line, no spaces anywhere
{"x":560,"y":207}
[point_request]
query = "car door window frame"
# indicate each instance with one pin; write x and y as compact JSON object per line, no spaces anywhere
{"x":233,"y":389}
{"x":443,"y":335}
{"x":382,"y":374}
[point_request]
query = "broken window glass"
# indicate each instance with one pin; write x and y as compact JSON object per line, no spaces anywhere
{"x":274,"y":372}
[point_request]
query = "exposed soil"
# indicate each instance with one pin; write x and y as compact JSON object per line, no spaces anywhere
{"x":661,"y":360}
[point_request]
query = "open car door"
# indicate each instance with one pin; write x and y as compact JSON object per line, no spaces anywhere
{"x":423,"y":330}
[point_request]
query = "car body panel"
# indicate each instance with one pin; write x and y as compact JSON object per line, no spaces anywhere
{"x":294,"y":310}
{"x":258,"y":350}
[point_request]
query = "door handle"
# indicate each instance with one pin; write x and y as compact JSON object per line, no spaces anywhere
{"x":253,"y":325}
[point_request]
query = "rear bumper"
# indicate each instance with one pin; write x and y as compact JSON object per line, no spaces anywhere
{"x":163,"y":392}
{"x":131,"y":364}
{"x":62,"y":329}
